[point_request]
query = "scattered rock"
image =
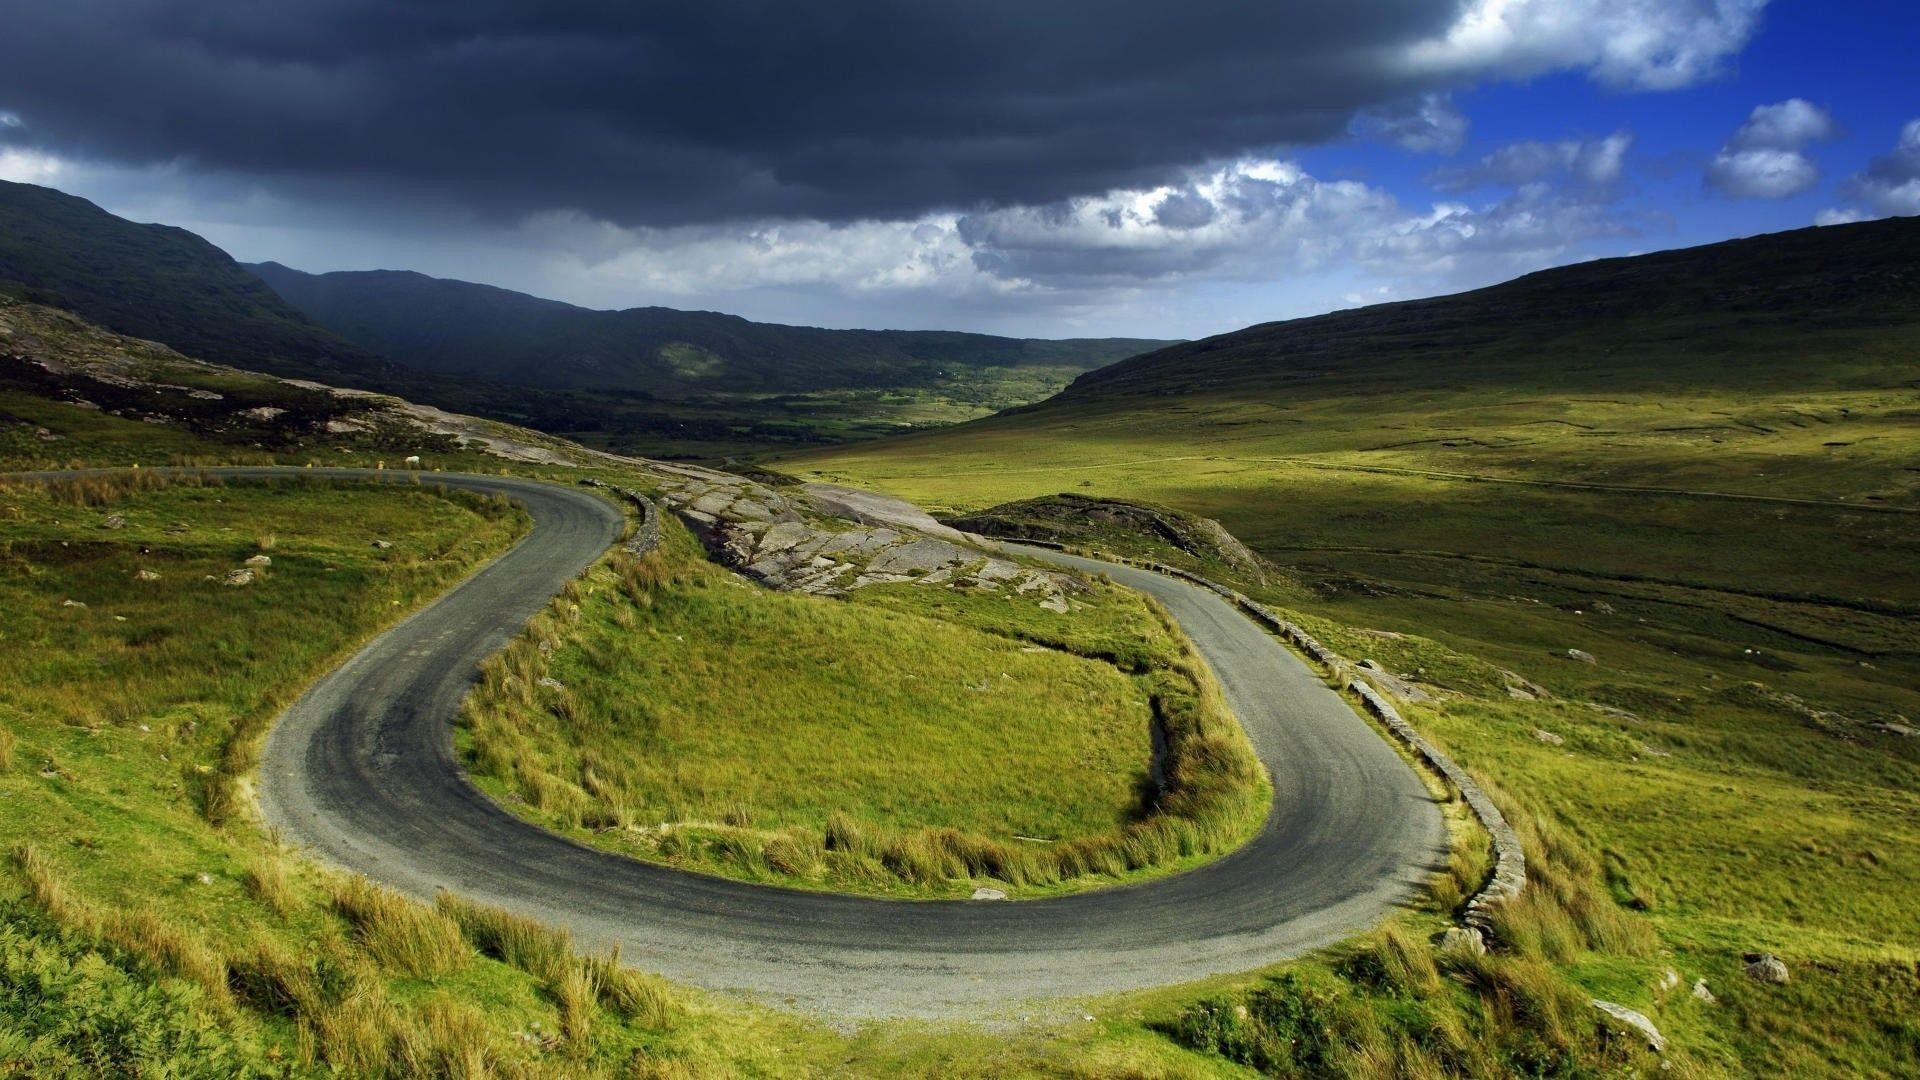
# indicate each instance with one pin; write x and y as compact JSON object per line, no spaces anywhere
{"x":1766,"y":968}
{"x":1397,"y":685}
{"x":1519,"y":694}
{"x":984,"y":893}
{"x":1463,"y":939}
{"x":1668,"y":980}
{"x":1582,"y":656}
{"x":1653,"y":751}
{"x":548,"y":682}
{"x":1055,"y":603}
{"x":1701,"y":993}
{"x":203,"y":878}
{"x":1549,"y":737}
{"x":146,"y":575}
{"x":263,"y":414}
{"x":1637,"y":1021}
{"x":1905,"y":731}
{"x":72,"y":603}
{"x":1601,"y":607}
{"x":262,"y":561}
{"x":114,"y":521}
{"x":242,"y":576}
{"x":382,"y":545}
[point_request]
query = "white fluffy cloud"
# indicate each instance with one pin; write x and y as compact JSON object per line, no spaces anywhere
{"x":1789,"y":125}
{"x":1766,"y":157}
{"x":1247,"y":225}
{"x":1635,"y":44}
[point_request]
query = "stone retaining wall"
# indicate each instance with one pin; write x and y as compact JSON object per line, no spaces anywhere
{"x":1509,"y":861}
{"x":646,"y":535}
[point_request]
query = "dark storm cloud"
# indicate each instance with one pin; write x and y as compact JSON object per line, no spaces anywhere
{"x":644,"y":113}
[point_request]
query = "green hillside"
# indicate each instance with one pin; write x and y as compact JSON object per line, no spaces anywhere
{"x":160,"y":283}
{"x":458,"y":327}
{"x":1635,"y":540}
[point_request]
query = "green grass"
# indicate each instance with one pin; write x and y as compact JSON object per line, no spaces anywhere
{"x":149,"y":919}
{"x":1722,"y":763}
{"x":927,"y":741}
{"x":139,"y":938}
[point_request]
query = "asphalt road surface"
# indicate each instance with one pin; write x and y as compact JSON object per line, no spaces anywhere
{"x":361,"y":772}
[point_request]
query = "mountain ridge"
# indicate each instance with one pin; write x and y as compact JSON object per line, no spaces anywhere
{"x":447,"y":325}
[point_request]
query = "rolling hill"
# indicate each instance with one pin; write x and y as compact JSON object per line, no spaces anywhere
{"x":161,"y":283}
{"x":457,"y":327}
{"x":650,"y":380}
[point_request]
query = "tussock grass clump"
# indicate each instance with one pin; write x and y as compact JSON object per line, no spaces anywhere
{"x":6,"y":749}
{"x":398,"y":932}
{"x":534,"y":947}
{"x":268,"y":882}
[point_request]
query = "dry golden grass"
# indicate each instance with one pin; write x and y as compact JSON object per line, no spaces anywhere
{"x":402,"y":935}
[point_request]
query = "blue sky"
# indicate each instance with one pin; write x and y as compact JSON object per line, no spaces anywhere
{"x":1049,"y":167}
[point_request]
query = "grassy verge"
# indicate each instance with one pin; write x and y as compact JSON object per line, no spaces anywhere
{"x":909,"y":741}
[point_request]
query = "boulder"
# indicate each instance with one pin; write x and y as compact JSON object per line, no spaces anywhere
{"x":1766,"y":968}
{"x":1635,"y":1020}
{"x":1549,"y":737}
{"x":984,"y":893}
{"x":114,"y":521}
{"x":382,"y":545}
{"x":261,"y":561}
{"x":1582,"y":656}
{"x":146,"y":575}
{"x":242,"y":576}
{"x":1463,"y":939}
{"x":1701,"y":993}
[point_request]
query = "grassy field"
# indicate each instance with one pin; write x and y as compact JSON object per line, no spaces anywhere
{"x":116,"y":954}
{"x":909,"y":740}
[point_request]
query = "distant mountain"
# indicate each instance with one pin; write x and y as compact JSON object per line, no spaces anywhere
{"x":456,"y":327}
{"x":160,"y":283}
{"x":650,"y":380}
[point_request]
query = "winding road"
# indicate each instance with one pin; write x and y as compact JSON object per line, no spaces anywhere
{"x":361,"y":771}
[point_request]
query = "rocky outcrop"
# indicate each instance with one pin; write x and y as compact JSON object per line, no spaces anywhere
{"x":828,"y":541}
{"x":1071,"y":518}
